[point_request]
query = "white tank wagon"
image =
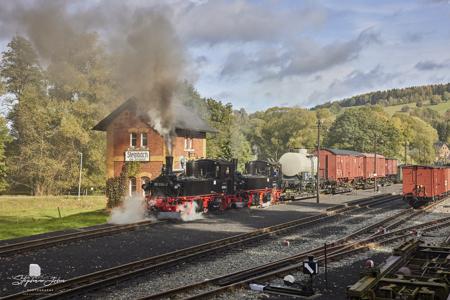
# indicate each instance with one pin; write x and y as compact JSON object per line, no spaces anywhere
{"x":299,"y":171}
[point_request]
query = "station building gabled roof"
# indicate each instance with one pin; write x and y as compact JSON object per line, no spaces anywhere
{"x":184,"y":118}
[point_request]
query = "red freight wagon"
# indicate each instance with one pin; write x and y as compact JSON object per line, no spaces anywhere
{"x":422,"y":184}
{"x":369,"y":165}
{"x":391,"y":168}
{"x":340,"y":165}
{"x":394,"y":167}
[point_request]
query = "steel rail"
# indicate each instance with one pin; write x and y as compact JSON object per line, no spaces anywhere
{"x":233,"y":277}
{"x":344,"y":245}
{"x":18,"y":247}
{"x":338,"y":254}
{"x":14,"y":248}
{"x":112,"y":275}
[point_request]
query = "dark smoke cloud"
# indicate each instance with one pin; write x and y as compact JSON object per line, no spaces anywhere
{"x":151,"y":63}
{"x":148,"y":57}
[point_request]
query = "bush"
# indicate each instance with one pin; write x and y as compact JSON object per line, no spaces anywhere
{"x":116,"y":187}
{"x":435,"y":99}
{"x":419,"y":103}
{"x":405,"y":108}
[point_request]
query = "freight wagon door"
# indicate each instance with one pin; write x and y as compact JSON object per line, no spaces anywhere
{"x":409,"y":180}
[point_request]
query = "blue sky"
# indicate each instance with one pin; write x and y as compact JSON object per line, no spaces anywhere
{"x":257,"y":54}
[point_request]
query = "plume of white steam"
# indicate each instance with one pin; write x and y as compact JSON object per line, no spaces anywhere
{"x":185,"y":212}
{"x":132,"y":210}
{"x":188,"y":212}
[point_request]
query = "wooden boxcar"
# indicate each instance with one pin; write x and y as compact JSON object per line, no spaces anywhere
{"x":390,"y":167}
{"x":369,"y":166}
{"x":422,"y":184}
{"x":340,"y":165}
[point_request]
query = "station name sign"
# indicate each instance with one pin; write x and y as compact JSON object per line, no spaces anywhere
{"x":137,"y":156}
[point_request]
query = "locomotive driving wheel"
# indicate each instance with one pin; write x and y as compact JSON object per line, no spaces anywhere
{"x":217,"y":204}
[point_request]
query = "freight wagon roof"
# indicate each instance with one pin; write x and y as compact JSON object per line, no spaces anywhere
{"x":184,"y":118}
{"x":372,"y":155}
{"x":423,"y":167}
{"x":344,"y":152}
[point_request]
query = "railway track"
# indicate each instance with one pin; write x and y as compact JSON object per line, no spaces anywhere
{"x":338,"y":249}
{"x":110,"y":276}
{"x":14,"y":248}
{"x":19,"y":247}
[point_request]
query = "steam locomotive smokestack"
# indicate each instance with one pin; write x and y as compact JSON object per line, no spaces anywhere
{"x":169,"y":164}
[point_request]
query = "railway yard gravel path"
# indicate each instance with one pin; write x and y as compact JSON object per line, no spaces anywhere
{"x":347,"y":271}
{"x":246,"y":257}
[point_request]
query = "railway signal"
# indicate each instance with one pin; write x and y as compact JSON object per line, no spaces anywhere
{"x":311,"y":266}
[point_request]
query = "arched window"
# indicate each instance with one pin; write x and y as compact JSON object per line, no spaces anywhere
{"x":132,"y":188}
{"x":144,"y":180}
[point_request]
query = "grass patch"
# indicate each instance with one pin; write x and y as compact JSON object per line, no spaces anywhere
{"x":27,"y":215}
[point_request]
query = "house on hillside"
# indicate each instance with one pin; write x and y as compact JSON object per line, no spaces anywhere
{"x":442,"y":152}
{"x":129,"y":137}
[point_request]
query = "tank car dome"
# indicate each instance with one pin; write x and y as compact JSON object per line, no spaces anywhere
{"x":295,"y":163}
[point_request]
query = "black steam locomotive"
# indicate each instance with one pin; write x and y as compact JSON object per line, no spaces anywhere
{"x":213,"y":184}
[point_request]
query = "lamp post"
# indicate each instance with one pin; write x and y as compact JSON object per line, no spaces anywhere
{"x":375,"y":144}
{"x":319,"y":124}
{"x":79,"y":179}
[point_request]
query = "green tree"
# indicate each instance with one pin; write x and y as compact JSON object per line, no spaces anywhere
{"x":19,"y":66}
{"x":5,"y":138}
{"x":446,"y":96}
{"x":435,"y":99}
{"x":419,"y":137}
{"x":280,"y":129}
{"x":240,"y":146}
{"x":363,"y":129}
{"x":31,"y":162}
{"x":51,"y":120}
{"x":229,"y":141}
{"x":220,"y":118}
{"x":405,"y":108}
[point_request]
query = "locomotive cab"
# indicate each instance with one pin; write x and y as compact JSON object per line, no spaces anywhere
{"x":258,"y":182}
{"x":217,"y":176}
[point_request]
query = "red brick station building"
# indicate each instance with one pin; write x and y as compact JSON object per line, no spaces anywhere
{"x":129,"y":137}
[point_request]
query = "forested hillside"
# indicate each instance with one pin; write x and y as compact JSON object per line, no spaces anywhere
{"x":432,"y":94}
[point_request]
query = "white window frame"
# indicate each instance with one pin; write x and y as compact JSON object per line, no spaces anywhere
{"x":142,"y":139}
{"x":131,"y":140}
{"x":188,"y":144}
{"x":130,"y":185}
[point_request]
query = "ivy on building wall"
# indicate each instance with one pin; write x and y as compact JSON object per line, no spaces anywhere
{"x":133,"y":168}
{"x":117,"y":187}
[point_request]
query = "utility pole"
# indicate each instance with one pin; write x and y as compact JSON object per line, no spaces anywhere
{"x":318,"y":162}
{"x":375,"y":164}
{"x":79,"y":180}
{"x":406,"y":151}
